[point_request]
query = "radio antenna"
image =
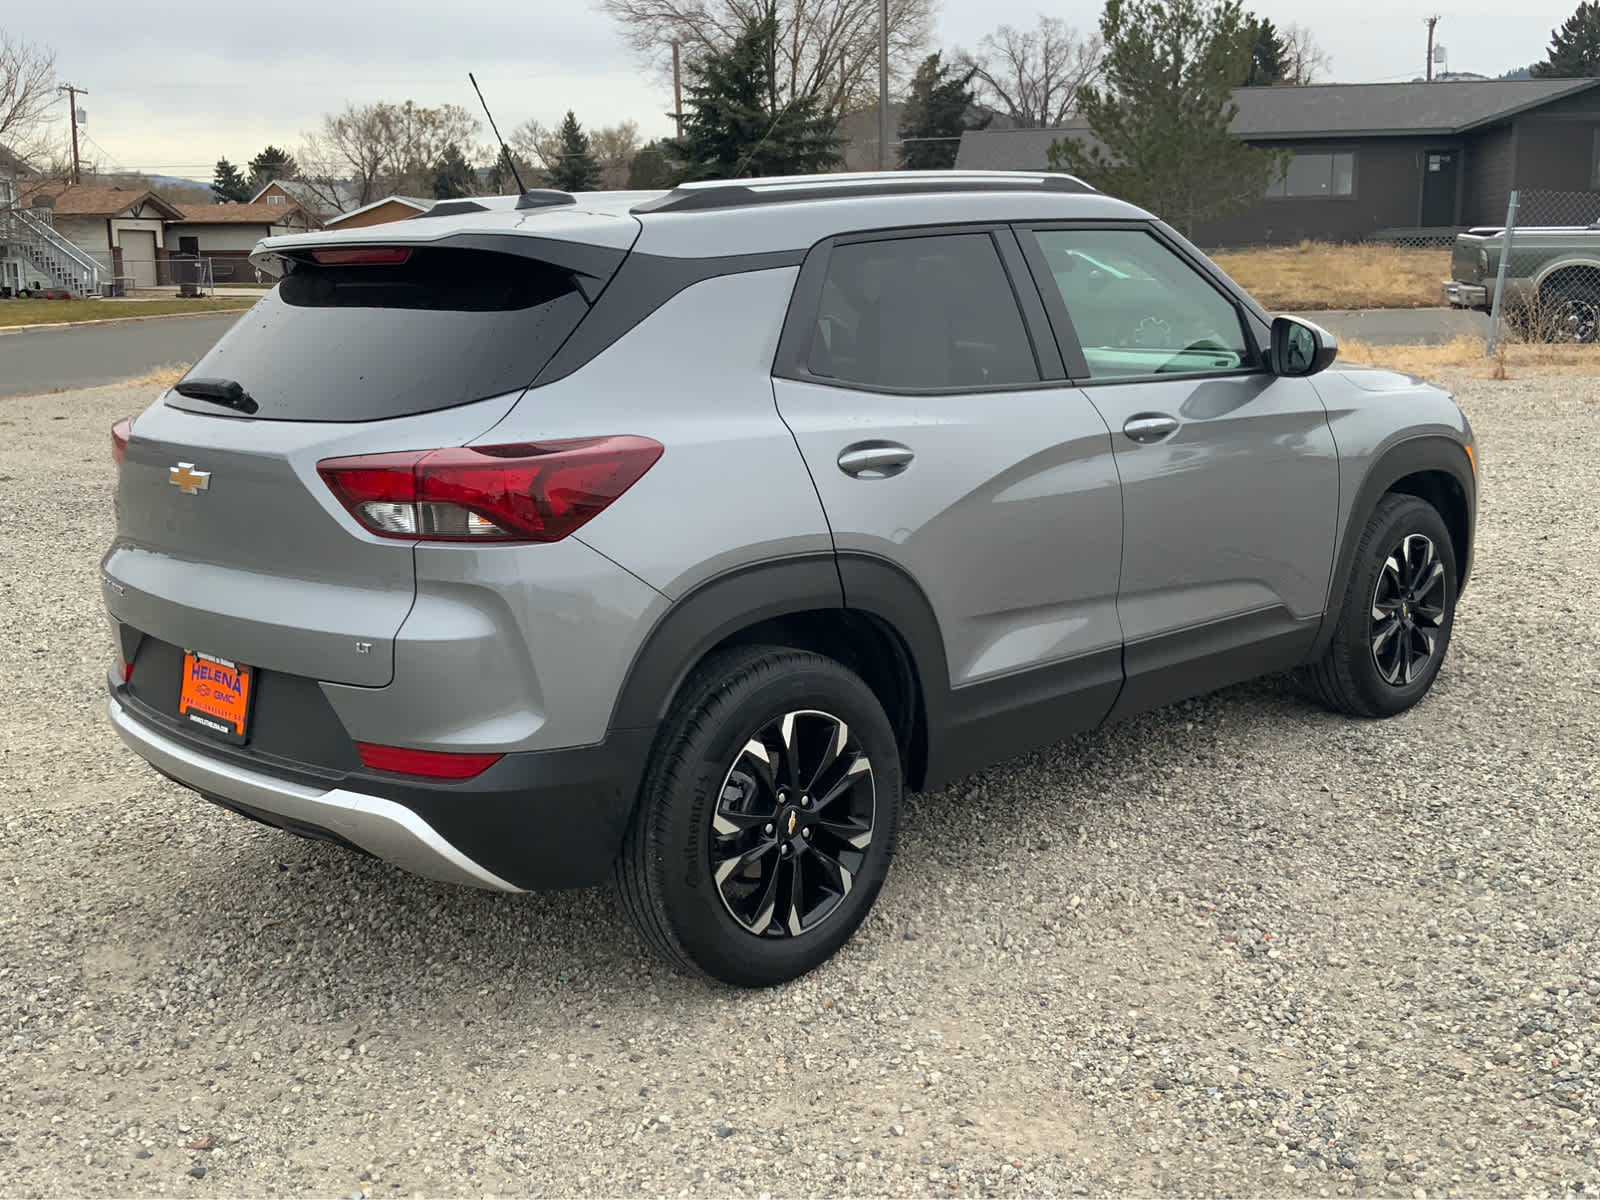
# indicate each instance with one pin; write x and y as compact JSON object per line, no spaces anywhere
{"x":505,"y":150}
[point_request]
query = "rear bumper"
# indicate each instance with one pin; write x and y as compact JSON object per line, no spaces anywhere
{"x":545,"y":819}
{"x":1465,"y":295}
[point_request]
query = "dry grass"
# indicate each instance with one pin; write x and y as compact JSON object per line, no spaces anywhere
{"x":18,"y":313}
{"x":1465,"y":354}
{"x":1315,"y":275}
{"x":161,"y":377}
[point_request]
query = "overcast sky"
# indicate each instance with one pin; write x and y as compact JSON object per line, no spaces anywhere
{"x":173,"y":88}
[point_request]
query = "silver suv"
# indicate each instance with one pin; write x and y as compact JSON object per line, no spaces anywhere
{"x":671,"y":537}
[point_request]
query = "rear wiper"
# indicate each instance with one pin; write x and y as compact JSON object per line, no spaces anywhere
{"x":228,"y":392}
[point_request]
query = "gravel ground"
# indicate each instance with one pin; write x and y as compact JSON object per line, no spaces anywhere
{"x":1238,"y":946}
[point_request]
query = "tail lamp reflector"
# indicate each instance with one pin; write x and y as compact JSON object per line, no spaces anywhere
{"x":120,"y":433}
{"x":531,"y":492}
{"x":431,"y":764}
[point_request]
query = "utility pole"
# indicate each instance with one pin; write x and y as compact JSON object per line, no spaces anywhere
{"x":677,"y":91}
{"x":72,"y":103}
{"x":883,"y":85}
{"x":1431,"y":21}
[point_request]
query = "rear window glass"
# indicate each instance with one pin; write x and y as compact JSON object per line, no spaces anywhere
{"x":364,"y":342}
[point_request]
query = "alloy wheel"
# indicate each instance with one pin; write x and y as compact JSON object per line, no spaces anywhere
{"x":1408,"y":610}
{"x":792,"y":824}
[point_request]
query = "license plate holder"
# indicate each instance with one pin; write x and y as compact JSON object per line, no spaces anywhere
{"x":214,"y":696}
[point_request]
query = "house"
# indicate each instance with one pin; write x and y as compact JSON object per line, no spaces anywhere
{"x":391,"y":208}
{"x":316,"y":200}
{"x":226,"y":233}
{"x":1374,"y":160}
{"x":122,"y":231}
{"x":14,"y":266}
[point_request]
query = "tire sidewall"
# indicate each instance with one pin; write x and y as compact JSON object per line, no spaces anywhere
{"x":1414,"y":516}
{"x":692,"y":905}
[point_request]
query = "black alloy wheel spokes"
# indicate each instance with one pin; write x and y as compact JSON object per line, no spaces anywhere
{"x":1408,"y":610}
{"x":793,"y":822}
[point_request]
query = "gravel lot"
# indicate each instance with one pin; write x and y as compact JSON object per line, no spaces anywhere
{"x":1238,"y":946}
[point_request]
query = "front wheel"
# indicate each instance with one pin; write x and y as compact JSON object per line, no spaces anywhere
{"x":1399,"y":608}
{"x":767,"y":818}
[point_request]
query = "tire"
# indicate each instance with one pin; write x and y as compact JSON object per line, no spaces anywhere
{"x":1572,"y":314}
{"x":743,"y":928}
{"x":1364,"y":671}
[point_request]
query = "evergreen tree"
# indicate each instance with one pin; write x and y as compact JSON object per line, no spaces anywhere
{"x":272,"y":163}
{"x":1163,"y":113}
{"x":1575,"y":47}
{"x":1267,"y":56}
{"x":502,"y":179}
{"x":738,"y":127}
{"x":227,"y":185}
{"x":650,"y":169}
{"x":453,"y":175}
{"x":935,"y":115}
{"x":575,"y":168}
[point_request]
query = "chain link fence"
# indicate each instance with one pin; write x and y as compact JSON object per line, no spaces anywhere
{"x":1539,"y":274}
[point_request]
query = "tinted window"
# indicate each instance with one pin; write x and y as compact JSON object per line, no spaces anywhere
{"x":928,"y":312}
{"x":1139,"y":309}
{"x":365,"y":342}
{"x":1317,"y":175}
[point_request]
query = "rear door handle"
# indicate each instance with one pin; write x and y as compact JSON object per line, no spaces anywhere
{"x":875,"y":460}
{"x":1150,"y":427}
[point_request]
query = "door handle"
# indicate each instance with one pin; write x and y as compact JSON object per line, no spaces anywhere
{"x":1150,"y":427}
{"x":875,"y":460}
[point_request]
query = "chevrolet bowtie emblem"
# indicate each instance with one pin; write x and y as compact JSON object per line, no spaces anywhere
{"x":187,"y":480}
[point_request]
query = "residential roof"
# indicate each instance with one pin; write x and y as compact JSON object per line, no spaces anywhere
{"x":1330,"y":110}
{"x":310,"y":197}
{"x":412,"y":201}
{"x":237,"y":214}
{"x":76,"y":200}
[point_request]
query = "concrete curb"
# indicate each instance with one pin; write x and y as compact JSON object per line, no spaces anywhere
{"x":216,"y":312}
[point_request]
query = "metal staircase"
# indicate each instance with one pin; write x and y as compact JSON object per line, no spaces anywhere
{"x":33,"y":239}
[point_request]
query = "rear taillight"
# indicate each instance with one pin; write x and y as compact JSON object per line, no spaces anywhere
{"x":535,"y":492}
{"x":432,"y":764}
{"x":120,"y":433}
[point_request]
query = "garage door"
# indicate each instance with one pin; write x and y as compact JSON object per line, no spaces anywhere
{"x":139,"y":257}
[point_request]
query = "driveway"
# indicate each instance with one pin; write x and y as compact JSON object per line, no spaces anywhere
{"x":76,"y":356}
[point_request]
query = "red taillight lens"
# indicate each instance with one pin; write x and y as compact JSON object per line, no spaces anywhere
{"x":120,"y":433}
{"x":363,"y":256}
{"x":536,"y":492}
{"x":434,"y":764}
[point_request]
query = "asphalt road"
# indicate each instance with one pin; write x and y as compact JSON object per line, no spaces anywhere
{"x":43,"y":360}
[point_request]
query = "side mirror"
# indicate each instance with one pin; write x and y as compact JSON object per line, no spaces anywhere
{"x":1300,"y":348}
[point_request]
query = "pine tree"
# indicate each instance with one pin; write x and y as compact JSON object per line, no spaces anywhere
{"x":1266,"y":57}
{"x":1163,"y":113}
{"x":935,"y":115}
{"x":1575,"y":47}
{"x":576,"y":170}
{"x":272,"y":163}
{"x":736,"y":126}
{"x":227,"y":185}
{"x":453,"y":175}
{"x":649,"y":169}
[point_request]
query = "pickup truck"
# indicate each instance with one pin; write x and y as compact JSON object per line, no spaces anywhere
{"x":1552,"y":279}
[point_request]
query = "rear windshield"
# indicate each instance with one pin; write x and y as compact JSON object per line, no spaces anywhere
{"x":366,"y":342}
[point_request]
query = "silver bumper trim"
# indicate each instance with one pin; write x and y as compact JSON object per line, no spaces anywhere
{"x":1465,"y":295}
{"x":381,"y":827}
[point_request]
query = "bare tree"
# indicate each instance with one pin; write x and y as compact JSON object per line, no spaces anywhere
{"x":533,"y":142}
{"x":1303,"y":60}
{"x":27,"y":91}
{"x":382,"y":149}
{"x":1033,"y":75}
{"x":826,"y":48}
{"x":613,"y":147}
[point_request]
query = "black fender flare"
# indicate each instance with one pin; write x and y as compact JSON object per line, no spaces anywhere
{"x":1424,"y":453}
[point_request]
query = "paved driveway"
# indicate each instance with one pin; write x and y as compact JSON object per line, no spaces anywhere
{"x":43,"y":360}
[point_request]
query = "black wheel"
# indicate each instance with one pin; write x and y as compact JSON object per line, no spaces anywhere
{"x":1572,"y":314}
{"x":1394,"y":626}
{"x":767,"y":817}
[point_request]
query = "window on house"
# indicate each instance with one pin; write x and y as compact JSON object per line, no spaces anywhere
{"x":276,"y":199}
{"x":1317,"y":175}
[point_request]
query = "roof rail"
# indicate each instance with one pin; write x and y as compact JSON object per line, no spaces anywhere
{"x":738,"y":193}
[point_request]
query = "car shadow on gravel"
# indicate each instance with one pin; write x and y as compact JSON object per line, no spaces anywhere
{"x":284,"y":921}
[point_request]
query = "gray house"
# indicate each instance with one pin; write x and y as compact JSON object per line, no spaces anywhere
{"x":1374,"y":160}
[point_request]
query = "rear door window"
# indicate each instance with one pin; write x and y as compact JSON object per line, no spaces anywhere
{"x":921,"y":313}
{"x":365,"y":341}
